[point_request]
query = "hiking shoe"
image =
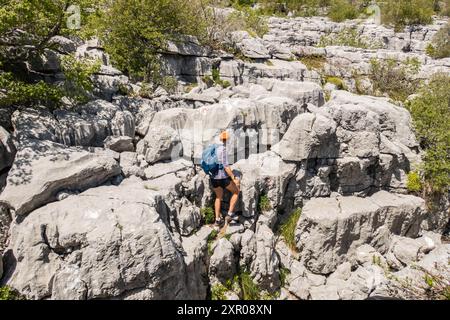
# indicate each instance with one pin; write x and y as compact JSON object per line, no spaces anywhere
{"x":218,"y":223}
{"x":232,"y":217}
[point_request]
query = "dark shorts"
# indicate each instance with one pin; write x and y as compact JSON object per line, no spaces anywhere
{"x":222,"y":183}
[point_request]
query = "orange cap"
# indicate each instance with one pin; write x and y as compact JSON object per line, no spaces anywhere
{"x":224,"y":136}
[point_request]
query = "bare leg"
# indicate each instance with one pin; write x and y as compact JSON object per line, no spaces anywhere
{"x":234,"y":197}
{"x":218,"y":202}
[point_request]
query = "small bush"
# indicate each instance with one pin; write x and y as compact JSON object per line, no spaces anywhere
{"x":338,"y":82}
{"x":341,"y":10}
{"x":208,"y":215}
{"x":218,"y":292}
{"x":251,"y":20}
{"x":313,"y":62}
{"x":15,"y":92}
{"x":431,"y":118}
{"x":146,"y":91}
{"x":400,"y":14}
{"x":414,"y":183}
{"x":211,"y":238}
{"x":208,"y":80}
{"x":287,"y":229}
{"x":440,"y":44}
{"x":433,"y":285}
{"x":395,"y":79}
{"x":215,"y":79}
{"x":264,"y":203}
{"x":250,"y":290}
{"x":7,"y":293}
{"x":78,"y":74}
{"x":213,"y":235}
{"x":170,"y":84}
{"x":188,"y":88}
{"x":284,"y":273}
{"x":349,"y":37}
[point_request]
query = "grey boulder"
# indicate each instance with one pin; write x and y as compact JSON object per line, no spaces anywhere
{"x":331,"y":229}
{"x":222,"y":265}
{"x":108,"y":242}
{"x":119,"y":143}
{"x":160,"y":143}
{"x":7,"y":149}
{"x":42,"y":168}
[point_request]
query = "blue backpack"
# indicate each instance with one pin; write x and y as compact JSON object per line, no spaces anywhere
{"x":210,"y":163}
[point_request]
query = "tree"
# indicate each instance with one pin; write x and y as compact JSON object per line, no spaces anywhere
{"x":400,"y":14}
{"x":135,"y":31}
{"x":431,"y":114}
{"x":26,"y":30}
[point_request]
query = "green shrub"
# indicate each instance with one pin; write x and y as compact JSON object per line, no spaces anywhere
{"x":313,"y":62}
{"x":135,"y":32}
{"x":208,"y":80}
{"x":429,"y":285}
{"x":78,"y":75}
{"x":284,"y":273}
{"x":287,"y":229}
{"x":338,"y":82}
{"x":341,"y":10}
{"x":7,"y":293}
{"x":211,"y":238}
{"x":264,"y":203}
{"x":188,"y":88}
{"x":146,"y":90}
{"x":414,"y":183}
{"x":396,"y":79}
{"x":406,"y":13}
{"x":215,"y":79}
{"x":216,"y":74}
{"x":76,"y":87}
{"x":440,"y":44}
{"x":170,"y":84}
{"x":349,"y":37}
{"x":431,"y":117}
{"x":442,"y":7}
{"x":250,"y":290}
{"x":16,"y":92}
{"x":246,"y":18}
{"x":218,"y":292}
{"x":208,"y":215}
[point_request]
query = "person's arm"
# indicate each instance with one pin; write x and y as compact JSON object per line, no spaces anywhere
{"x":233,"y":177}
{"x":226,"y":166}
{"x":230,"y":173}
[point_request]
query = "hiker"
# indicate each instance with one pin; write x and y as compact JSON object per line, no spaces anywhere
{"x":223,"y":178}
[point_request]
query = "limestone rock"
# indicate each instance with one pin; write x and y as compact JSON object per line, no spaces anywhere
{"x":309,"y":136}
{"x":189,"y":218}
{"x":130,"y":165}
{"x":265,"y":265}
{"x":160,"y":143}
{"x":108,"y":242}
{"x":119,"y":143}
{"x":406,"y":251}
{"x":250,"y":47}
{"x":196,"y":260}
{"x":263,"y":174}
{"x":88,"y":126}
{"x":330,"y":229}
{"x":222,"y":265}
{"x":42,"y":168}
{"x":7,"y":149}
{"x":164,"y":168}
{"x":412,"y":276}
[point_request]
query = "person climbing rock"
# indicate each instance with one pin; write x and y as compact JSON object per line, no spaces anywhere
{"x":223,"y":180}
